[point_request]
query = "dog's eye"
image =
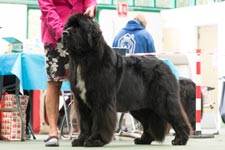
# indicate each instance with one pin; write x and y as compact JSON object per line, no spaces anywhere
{"x":66,"y":33}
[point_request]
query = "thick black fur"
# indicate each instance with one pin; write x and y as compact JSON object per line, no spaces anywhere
{"x":188,"y":99}
{"x":105,"y":82}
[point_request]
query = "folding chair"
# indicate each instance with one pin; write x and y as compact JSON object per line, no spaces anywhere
{"x":67,"y":120}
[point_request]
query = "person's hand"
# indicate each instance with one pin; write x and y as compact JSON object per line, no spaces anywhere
{"x":90,"y":11}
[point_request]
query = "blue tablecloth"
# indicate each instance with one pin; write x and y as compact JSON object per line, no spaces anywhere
{"x":29,"y":68}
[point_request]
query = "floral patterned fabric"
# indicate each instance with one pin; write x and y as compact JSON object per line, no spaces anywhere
{"x":57,"y":62}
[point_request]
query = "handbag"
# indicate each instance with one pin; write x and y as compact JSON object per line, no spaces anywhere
{"x":10,"y":117}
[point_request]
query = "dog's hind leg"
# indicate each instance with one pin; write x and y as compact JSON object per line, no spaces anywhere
{"x":154,"y":127}
{"x":182,"y":131}
{"x":177,"y":117}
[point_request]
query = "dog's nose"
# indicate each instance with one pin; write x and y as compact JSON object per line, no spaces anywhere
{"x":66,"y":33}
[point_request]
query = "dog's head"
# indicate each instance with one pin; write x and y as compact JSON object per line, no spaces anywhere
{"x":81,"y":34}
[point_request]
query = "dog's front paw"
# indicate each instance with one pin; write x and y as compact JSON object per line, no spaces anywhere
{"x":77,"y":142}
{"x":94,"y":143}
{"x":179,"y":141}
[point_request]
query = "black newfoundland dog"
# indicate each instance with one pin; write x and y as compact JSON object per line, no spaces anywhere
{"x":188,"y":99}
{"x":105,"y":82}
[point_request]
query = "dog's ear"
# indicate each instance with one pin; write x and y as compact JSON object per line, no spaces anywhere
{"x":90,"y":40}
{"x":94,"y":34}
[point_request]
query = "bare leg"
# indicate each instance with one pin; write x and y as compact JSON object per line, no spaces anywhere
{"x":77,"y":115}
{"x":52,"y":106}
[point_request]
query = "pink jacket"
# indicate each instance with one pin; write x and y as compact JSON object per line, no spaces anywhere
{"x":55,"y":13}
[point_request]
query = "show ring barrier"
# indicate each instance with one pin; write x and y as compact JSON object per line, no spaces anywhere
{"x":197,"y":80}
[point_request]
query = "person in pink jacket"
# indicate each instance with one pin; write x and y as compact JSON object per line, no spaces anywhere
{"x":54,"y":14}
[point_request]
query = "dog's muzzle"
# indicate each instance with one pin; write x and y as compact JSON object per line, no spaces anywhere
{"x":65,"y":35}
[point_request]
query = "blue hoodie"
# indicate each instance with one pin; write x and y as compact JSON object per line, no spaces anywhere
{"x":135,"y":38}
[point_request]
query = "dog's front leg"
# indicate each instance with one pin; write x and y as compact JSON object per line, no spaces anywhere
{"x":85,"y":125}
{"x":103,"y":127}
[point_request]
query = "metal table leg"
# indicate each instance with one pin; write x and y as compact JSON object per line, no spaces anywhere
{"x":20,"y":109}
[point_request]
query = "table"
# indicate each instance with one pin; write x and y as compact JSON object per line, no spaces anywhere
{"x":30,"y":72}
{"x":29,"y":68}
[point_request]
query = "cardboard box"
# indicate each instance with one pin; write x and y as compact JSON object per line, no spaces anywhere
{"x":14,"y":45}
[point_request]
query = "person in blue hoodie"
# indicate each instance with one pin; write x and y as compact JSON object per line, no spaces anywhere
{"x":134,"y":37}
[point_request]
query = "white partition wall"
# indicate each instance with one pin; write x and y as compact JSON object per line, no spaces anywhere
{"x":13,"y":20}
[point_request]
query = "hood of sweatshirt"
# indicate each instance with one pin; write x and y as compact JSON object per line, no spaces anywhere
{"x":133,"y":25}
